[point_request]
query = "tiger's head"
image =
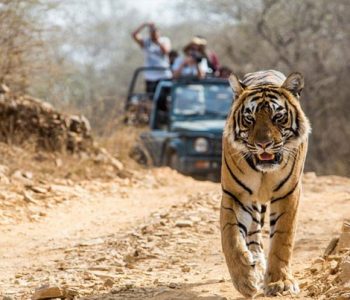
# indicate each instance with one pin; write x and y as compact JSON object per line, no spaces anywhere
{"x":266,"y":123}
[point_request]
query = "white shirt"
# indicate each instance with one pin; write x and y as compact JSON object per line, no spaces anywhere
{"x":190,"y":70}
{"x":154,"y":57}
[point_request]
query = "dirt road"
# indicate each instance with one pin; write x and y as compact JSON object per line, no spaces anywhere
{"x":154,"y":236}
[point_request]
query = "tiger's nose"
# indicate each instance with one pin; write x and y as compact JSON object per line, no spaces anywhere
{"x":264,"y":144}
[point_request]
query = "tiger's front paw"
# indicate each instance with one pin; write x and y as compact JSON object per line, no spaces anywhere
{"x":247,"y":274}
{"x":280,"y":286}
{"x":260,"y":266}
{"x":246,"y":281}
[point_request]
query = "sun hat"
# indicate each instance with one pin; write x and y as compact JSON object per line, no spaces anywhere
{"x":195,"y":41}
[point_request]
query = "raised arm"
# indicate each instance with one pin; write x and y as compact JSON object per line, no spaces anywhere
{"x":164,"y":46}
{"x":202,"y":68}
{"x":200,"y":72}
{"x":136,"y":34}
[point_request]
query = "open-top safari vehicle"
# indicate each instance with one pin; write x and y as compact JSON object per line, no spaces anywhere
{"x":138,"y":104}
{"x":187,"y":118}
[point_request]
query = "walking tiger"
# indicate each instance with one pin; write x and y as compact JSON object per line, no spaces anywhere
{"x":265,"y":142}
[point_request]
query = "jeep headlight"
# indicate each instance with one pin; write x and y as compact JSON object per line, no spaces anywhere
{"x":201,"y":145}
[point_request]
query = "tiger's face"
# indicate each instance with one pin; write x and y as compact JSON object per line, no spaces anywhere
{"x":267,"y":123}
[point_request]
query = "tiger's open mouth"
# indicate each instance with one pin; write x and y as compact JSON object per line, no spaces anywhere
{"x":268,"y":158}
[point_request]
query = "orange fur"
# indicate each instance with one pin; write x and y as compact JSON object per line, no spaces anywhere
{"x":264,"y":149}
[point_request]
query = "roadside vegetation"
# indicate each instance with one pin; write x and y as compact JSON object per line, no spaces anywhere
{"x":88,"y":58}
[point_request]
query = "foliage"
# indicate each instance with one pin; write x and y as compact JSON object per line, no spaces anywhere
{"x":309,"y":36}
{"x":21,"y":41}
{"x":79,"y":55}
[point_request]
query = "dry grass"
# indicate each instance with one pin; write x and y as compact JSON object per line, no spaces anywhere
{"x":49,"y":166}
{"x":46,"y":166}
{"x":120,"y":143}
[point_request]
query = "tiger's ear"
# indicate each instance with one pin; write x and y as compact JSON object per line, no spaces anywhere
{"x":294,"y":83}
{"x":235,"y":84}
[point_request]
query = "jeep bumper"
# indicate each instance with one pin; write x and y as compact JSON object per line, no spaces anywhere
{"x":200,"y":165}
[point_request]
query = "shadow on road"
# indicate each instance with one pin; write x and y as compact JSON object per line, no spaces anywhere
{"x":181,"y":292}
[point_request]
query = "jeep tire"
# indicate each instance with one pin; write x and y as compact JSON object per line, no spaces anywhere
{"x":173,"y":161}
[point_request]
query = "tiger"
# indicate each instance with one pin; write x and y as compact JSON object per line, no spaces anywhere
{"x":265,"y":141}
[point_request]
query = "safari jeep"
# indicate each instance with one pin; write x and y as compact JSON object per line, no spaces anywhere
{"x":186,"y":125}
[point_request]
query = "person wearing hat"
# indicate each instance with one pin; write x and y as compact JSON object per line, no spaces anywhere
{"x":192,"y":63}
{"x":210,"y":55}
{"x":156,"y":50}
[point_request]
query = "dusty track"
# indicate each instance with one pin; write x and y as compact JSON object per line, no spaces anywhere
{"x":153,"y":237}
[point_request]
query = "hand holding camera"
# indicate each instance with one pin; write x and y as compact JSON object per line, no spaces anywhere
{"x":189,"y":61}
{"x":196,"y":56}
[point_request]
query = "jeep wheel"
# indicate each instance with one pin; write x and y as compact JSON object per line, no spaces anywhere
{"x":140,"y":155}
{"x":173,"y":161}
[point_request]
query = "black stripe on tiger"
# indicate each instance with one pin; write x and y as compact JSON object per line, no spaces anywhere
{"x":286,"y":195}
{"x":228,"y":208}
{"x":284,"y":180}
{"x":240,"y":225}
{"x":274,"y":101}
{"x":295,"y":132}
{"x":262,"y":219}
{"x":277,"y":231}
{"x":262,"y":211}
{"x":273,"y":222}
{"x":255,"y":220}
{"x":240,"y":204}
{"x":261,"y":89}
{"x":260,"y":105}
{"x":254,"y":243}
{"x":255,"y":98}
{"x":239,"y":122}
{"x":256,"y":208}
{"x":250,"y":162}
{"x":295,"y":116}
{"x":240,"y":183}
{"x":272,"y":96}
{"x":254,"y":232}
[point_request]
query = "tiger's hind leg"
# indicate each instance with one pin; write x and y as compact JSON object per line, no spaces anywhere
{"x":283,"y":216}
{"x":240,"y":224}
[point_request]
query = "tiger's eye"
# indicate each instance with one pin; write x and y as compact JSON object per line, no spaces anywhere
{"x":278,"y":117}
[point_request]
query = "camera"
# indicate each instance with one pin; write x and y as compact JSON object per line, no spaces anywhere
{"x":198,"y":57}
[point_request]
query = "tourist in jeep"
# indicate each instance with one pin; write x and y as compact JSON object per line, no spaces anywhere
{"x":156,"y":49}
{"x":192,"y":63}
{"x":211,"y":57}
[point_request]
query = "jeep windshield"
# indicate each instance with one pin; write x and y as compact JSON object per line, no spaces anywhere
{"x":202,"y":101}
